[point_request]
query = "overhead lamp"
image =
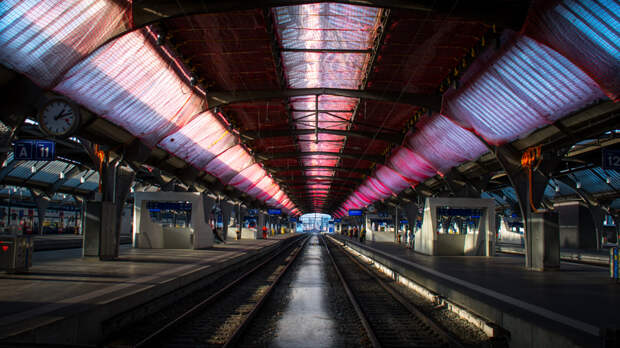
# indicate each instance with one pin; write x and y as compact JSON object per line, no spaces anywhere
{"x":161,"y":39}
{"x":33,"y":169}
{"x":557,"y":188}
{"x":82,"y":180}
{"x":578,"y":184}
{"x":61,"y":175}
{"x":608,"y":180}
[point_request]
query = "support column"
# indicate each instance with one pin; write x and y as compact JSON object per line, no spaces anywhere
{"x":116,"y":184}
{"x":544,"y":241}
{"x":208,"y":203}
{"x":260,"y":222}
{"x":510,"y":160}
{"x":239,"y":230}
{"x":226,"y":213}
{"x":42,"y":202}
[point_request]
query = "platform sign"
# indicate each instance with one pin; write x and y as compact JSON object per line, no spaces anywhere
{"x":337,"y":220}
{"x":275,"y":211}
{"x":611,"y":159}
{"x":404,"y":222}
{"x":34,"y":150}
{"x":292,"y":219}
{"x":355,"y":212}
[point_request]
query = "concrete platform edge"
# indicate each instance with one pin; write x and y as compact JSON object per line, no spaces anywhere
{"x":85,"y":327}
{"x":527,"y":327}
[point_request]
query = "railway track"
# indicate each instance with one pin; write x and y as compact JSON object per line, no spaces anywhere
{"x":390,"y":319}
{"x":221,"y":318}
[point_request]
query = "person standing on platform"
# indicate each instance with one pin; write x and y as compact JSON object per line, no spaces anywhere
{"x":362,"y":235}
{"x":264,"y":232}
{"x":239,"y":232}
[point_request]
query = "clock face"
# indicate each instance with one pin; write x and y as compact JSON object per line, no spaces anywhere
{"x":58,"y":118}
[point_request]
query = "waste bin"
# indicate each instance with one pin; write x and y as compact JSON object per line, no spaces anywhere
{"x":15,"y":253}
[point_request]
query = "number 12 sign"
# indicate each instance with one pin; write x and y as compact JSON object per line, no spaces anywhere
{"x":611,"y":159}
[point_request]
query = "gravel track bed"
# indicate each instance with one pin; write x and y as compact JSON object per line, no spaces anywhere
{"x":467,"y":333}
{"x":141,"y":329}
{"x":392,"y":323}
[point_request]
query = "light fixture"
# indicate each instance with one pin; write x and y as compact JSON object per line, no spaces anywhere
{"x":33,"y":169}
{"x":161,"y":39}
{"x":82,"y":180}
{"x":608,"y":180}
{"x":61,"y":175}
{"x":557,"y":187}
{"x":578,"y":184}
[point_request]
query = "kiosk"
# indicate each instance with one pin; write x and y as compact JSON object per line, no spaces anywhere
{"x":172,"y":220}
{"x":457,"y":226}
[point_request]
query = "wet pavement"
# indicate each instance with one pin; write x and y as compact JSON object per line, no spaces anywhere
{"x":306,"y":320}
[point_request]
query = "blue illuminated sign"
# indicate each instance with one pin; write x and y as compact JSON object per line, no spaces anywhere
{"x":404,"y":222}
{"x":292,"y":219}
{"x":275,"y":211}
{"x":159,"y":206}
{"x":34,"y":150}
{"x":474,"y":213}
{"x":355,"y":212}
{"x":337,"y":220}
{"x":611,"y":159}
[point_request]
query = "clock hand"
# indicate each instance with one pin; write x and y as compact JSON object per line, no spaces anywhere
{"x":61,"y":115}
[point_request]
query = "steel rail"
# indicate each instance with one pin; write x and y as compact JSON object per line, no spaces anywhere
{"x":369,"y":331}
{"x":152,"y":338}
{"x":234,"y":338}
{"x":451,"y":340}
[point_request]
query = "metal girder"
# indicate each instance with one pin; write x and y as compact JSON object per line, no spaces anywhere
{"x":355,"y":156}
{"x":6,"y":170}
{"x":510,"y":15}
{"x":303,"y":168}
{"x":67,"y":176}
{"x":331,"y":178}
{"x":430,"y":101}
{"x":390,"y":137}
{"x":300,"y":189}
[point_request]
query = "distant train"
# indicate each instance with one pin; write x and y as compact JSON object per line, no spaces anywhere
{"x":24,"y":219}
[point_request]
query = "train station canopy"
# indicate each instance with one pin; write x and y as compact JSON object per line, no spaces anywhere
{"x":321,"y":107}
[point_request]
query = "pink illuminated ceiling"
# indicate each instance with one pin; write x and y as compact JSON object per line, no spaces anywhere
{"x":562,"y":58}
{"x":318,"y":43}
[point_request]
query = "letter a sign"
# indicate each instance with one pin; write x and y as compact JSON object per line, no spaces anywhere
{"x":37,"y":150}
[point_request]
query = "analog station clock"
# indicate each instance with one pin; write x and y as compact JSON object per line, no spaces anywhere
{"x":59,"y":118}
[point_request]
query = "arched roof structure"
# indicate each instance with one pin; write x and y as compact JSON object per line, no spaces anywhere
{"x":320,"y":106}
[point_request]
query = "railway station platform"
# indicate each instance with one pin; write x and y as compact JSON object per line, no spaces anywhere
{"x":574,"y":306}
{"x":64,"y":241}
{"x":69,"y":300}
{"x":595,"y":257}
